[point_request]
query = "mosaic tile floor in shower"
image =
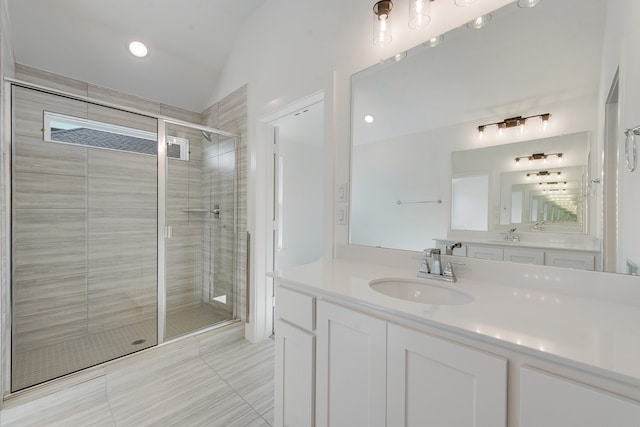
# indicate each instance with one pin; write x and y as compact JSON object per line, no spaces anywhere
{"x":42,"y":364}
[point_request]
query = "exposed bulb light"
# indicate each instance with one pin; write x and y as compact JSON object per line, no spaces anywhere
{"x":435,"y":41}
{"x":369,"y":118}
{"x":479,"y":22}
{"x":463,"y":3}
{"x":382,"y":22}
{"x":400,"y":56}
{"x":517,"y":121}
{"x":419,"y":13}
{"x":545,"y":121}
{"x":138,"y":49}
{"x":481,"y":132}
{"x":524,"y":3}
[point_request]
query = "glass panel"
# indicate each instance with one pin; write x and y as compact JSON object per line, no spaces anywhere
{"x":200,"y":254}
{"x":84,"y":226}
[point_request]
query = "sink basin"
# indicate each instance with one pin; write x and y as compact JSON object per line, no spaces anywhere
{"x":422,"y":291}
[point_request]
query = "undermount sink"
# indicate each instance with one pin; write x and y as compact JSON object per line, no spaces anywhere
{"x":422,"y":291}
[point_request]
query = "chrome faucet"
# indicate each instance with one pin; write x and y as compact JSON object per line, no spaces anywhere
{"x":435,"y":272}
{"x":511,"y":235}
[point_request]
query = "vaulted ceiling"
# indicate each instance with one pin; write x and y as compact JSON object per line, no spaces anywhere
{"x":188,"y":41}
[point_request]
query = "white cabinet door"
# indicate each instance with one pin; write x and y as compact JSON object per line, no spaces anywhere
{"x":552,"y":401}
{"x":351,"y":367}
{"x":434,"y":382}
{"x":294,"y":376}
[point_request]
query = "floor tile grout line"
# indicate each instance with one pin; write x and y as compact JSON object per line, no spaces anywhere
{"x":234,"y":390}
{"x":106,"y":394}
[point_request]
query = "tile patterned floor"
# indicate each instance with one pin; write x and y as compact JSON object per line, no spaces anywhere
{"x":212,"y":379}
{"x":45,"y":363}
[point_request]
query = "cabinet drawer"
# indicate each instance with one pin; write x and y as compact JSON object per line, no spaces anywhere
{"x":571,"y":260}
{"x":524,"y":256}
{"x":296,"y":308}
{"x":485,"y":252}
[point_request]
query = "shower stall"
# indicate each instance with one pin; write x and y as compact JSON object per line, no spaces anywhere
{"x":123,"y":232}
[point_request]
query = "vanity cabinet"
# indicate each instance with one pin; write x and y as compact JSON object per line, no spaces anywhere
{"x":515,"y":252}
{"x":432,"y":381}
{"x":553,"y":401}
{"x":360,"y":370}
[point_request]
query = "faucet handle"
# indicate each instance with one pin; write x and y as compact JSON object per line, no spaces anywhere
{"x":448,"y":271}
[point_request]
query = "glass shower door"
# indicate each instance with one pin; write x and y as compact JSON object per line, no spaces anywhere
{"x":200,"y":215}
{"x":84,"y":235}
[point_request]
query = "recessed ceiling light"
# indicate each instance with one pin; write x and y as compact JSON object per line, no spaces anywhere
{"x":138,"y":49}
{"x":463,"y":3}
{"x":369,"y":118}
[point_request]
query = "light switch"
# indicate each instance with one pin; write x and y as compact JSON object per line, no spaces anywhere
{"x":341,"y":193}
{"x":341,"y":214}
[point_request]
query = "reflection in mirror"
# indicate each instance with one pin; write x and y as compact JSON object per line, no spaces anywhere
{"x":527,"y":192}
{"x":558,"y":58}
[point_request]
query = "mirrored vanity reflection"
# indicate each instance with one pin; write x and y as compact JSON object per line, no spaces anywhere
{"x":496,"y":138}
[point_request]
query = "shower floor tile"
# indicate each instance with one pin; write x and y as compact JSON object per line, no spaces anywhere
{"x":42,"y":364}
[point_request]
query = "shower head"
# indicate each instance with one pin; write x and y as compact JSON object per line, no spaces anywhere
{"x":206,"y":135}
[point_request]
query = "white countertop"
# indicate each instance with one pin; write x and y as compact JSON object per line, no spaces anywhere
{"x":595,"y":334}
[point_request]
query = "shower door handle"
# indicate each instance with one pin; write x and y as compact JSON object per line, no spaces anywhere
{"x":168,"y":232}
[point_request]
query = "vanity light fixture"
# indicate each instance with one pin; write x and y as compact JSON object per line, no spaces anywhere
{"x":434,"y":41}
{"x":419,"y":13}
{"x":479,"y":22}
{"x":138,"y":49}
{"x":539,"y":156}
{"x":537,"y":175}
{"x":400,"y":56}
{"x":382,"y":22}
{"x":513,"y":122}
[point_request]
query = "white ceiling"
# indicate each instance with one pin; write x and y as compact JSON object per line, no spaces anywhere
{"x":188,"y":41}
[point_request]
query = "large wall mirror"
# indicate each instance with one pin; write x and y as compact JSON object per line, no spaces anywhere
{"x":509,"y":137}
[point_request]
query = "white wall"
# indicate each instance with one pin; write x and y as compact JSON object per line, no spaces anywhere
{"x":301,"y":210}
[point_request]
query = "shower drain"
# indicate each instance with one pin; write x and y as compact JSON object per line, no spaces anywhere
{"x":138,"y":342}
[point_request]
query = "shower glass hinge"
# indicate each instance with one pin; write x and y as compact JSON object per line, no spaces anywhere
{"x":273,"y":301}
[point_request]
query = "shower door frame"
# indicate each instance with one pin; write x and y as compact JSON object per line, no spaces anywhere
{"x":6,"y":145}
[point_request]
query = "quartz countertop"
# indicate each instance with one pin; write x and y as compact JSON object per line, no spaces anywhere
{"x":599,"y":335}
